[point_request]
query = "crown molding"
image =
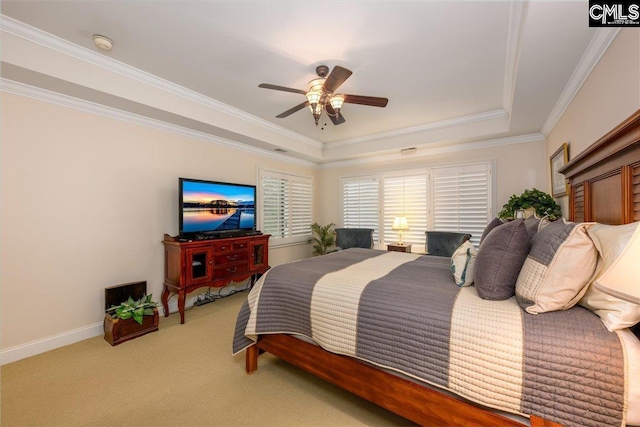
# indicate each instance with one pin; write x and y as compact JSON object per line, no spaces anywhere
{"x":21,"y":89}
{"x":396,"y":155}
{"x":42,"y":38}
{"x":517,"y":19}
{"x":458,"y":121}
{"x":598,"y":45}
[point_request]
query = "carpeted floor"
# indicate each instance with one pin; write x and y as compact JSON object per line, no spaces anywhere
{"x":182,"y":375}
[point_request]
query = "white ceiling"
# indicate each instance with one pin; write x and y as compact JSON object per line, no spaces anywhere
{"x":453,"y":71}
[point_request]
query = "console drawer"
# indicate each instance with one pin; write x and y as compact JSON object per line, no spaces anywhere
{"x":223,"y":247}
{"x":230,"y":257}
{"x":231,"y":269}
{"x":240,"y":246}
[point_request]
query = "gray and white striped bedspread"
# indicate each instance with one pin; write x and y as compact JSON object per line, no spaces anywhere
{"x":404,"y":312}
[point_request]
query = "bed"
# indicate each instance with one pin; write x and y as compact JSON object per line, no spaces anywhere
{"x":604,"y":187}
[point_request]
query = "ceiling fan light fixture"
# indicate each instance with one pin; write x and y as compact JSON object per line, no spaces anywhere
{"x":315,"y":85}
{"x":316,"y":110}
{"x":336,"y":102}
{"x":314,"y":98}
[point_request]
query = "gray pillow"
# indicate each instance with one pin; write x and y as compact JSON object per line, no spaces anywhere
{"x":493,"y":224}
{"x":532,"y":223}
{"x":500,"y":259}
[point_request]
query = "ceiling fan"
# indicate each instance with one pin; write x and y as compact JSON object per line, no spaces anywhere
{"x":322,"y":96}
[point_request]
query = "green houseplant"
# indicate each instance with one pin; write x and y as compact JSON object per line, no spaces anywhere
{"x":133,"y":309}
{"x":542,"y":203}
{"x":324,"y":239}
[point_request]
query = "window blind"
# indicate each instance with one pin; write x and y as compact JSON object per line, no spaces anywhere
{"x":405,"y":195}
{"x":287,"y":208}
{"x":462,"y":199}
{"x":360,"y":204}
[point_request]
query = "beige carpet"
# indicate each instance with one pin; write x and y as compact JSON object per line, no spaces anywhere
{"x":182,"y":375}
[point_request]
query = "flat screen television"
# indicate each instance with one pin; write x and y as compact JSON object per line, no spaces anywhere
{"x":216,"y":208}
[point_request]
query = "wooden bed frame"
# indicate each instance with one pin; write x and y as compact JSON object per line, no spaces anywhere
{"x":605,"y":187}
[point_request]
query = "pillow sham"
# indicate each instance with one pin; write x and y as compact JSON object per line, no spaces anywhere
{"x":614,"y":295}
{"x":560,"y":265}
{"x":500,"y":259}
{"x":463,"y":263}
{"x":493,"y":224}
{"x":535,"y":224}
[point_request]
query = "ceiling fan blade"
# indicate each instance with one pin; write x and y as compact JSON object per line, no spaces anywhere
{"x":292,"y":110}
{"x":282,"y":88}
{"x":336,"y":78}
{"x":332,"y":115}
{"x":366,"y":100}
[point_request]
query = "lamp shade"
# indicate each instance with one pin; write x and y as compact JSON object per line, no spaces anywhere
{"x":337,"y":101}
{"x":400,"y":223}
{"x":313,"y":97}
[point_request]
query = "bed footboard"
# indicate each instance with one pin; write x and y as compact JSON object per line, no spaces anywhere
{"x":406,"y":398}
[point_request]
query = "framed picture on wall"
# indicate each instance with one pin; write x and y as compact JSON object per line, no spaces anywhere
{"x":560,"y":158}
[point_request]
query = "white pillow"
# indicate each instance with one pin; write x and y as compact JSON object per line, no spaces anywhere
{"x":462,"y":263}
{"x":561,"y":263}
{"x":614,"y":294}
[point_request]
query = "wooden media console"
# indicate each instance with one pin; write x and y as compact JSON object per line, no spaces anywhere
{"x":189,"y":265}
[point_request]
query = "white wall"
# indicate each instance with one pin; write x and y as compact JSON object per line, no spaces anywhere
{"x":610,"y":94}
{"x":85,"y":201}
{"x":518,"y":167}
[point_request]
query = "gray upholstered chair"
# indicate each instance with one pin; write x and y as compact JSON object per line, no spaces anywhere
{"x":354,"y":238}
{"x":444,"y":243}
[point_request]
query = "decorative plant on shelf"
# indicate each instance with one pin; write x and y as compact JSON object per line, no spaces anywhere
{"x":541,"y":202}
{"x":324,"y":239}
{"x":133,"y":309}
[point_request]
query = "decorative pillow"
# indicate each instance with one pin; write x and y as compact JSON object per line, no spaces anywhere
{"x":493,"y":224}
{"x":500,"y":259}
{"x":558,"y":268}
{"x":614,"y":295}
{"x":463,"y":262}
{"x":532,"y":224}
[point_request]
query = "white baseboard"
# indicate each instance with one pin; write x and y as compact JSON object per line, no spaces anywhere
{"x":32,"y":348}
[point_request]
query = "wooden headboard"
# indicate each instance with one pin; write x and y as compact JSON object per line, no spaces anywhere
{"x":604,"y":179}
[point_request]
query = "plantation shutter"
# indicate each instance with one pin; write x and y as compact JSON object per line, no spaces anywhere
{"x":405,"y":194}
{"x":287,"y":207}
{"x":301,"y":207}
{"x":462,"y":199}
{"x":360,"y":203}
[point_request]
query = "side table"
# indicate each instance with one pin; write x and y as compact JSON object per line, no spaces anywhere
{"x":399,"y":247}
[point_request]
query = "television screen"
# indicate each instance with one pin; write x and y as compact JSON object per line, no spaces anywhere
{"x":208,"y":207}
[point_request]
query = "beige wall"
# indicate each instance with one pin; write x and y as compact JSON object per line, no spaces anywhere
{"x":85,"y":202}
{"x":518,"y":167}
{"x":610,"y":94}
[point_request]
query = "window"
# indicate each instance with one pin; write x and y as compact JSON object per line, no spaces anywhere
{"x":405,"y":194}
{"x":360,"y":208}
{"x":287,"y":208}
{"x":462,"y":199}
{"x":456,"y":198}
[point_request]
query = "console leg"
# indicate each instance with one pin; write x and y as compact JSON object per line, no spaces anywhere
{"x":182,"y":295}
{"x":165,"y":300}
{"x":251,"y":356}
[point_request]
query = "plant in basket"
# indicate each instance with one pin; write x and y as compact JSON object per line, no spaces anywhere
{"x":131,"y":309}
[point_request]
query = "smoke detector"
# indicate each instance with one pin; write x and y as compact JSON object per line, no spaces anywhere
{"x":102,"y":42}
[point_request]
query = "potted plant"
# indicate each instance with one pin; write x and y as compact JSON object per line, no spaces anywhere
{"x":532,"y":199}
{"x":130,"y":319}
{"x":324,"y":239}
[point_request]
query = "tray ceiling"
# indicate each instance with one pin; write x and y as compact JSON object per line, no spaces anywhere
{"x":453,"y":71}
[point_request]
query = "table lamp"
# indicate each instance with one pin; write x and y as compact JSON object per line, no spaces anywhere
{"x":400,"y":224}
